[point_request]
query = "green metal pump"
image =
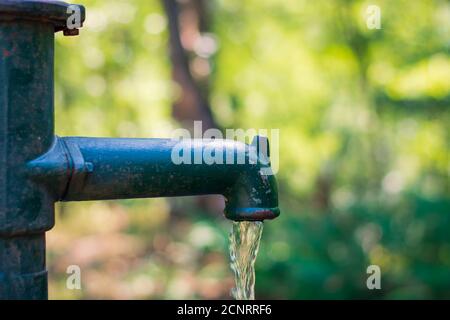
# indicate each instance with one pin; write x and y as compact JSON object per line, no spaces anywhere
{"x":38,"y":168}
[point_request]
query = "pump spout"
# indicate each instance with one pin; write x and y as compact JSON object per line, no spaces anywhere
{"x":78,"y":168}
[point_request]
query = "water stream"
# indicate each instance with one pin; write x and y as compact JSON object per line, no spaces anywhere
{"x":244,"y":244}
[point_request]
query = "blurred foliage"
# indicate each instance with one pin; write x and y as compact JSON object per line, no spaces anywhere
{"x":363,"y":117}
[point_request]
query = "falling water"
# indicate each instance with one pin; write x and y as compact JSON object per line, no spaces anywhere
{"x":244,"y":244}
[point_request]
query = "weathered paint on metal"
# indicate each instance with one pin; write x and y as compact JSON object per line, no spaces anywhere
{"x":26,"y":131}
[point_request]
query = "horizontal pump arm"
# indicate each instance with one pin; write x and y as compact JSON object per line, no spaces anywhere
{"x":78,"y":168}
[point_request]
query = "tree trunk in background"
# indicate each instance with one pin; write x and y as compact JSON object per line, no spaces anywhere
{"x":187,"y":22}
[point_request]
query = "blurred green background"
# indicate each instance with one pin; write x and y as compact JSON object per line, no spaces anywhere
{"x":364,"y":138}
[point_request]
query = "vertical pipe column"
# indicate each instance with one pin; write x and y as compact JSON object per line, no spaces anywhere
{"x":26,"y":131}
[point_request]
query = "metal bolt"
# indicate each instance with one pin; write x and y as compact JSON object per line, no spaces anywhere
{"x":71,"y":32}
{"x":89,"y":167}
